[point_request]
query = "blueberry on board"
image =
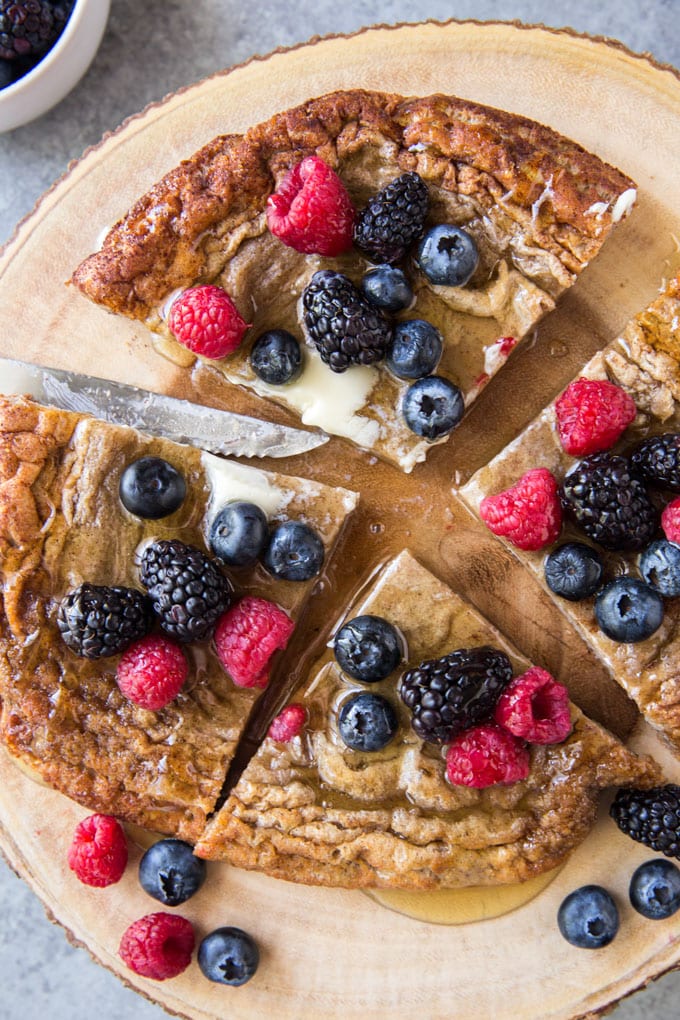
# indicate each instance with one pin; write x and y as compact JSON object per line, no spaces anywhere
{"x":229,"y":956}
{"x":151,"y":488}
{"x":655,"y":889}
{"x":295,"y":552}
{"x":367,"y":722}
{"x":660,"y":567}
{"x":432,"y":407}
{"x":170,"y":872}
{"x":573,"y":571}
{"x":239,"y":533}
{"x":275,"y":357}
{"x":415,"y":349}
{"x":627,"y":609}
{"x":588,"y":917}
{"x":368,"y":648}
{"x":387,"y":288}
{"x":448,"y":255}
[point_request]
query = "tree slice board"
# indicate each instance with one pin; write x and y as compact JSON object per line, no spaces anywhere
{"x":334,"y":953}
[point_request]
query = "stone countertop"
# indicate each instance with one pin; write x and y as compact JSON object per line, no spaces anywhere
{"x":149,"y":50}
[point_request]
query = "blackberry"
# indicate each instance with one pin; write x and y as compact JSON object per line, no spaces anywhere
{"x":393,"y":219}
{"x":657,"y":460}
{"x":609,"y":504}
{"x":96,"y":621}
{"x":651,"y":817}
{"x":345,"y":327}
{"x":451,"y":694}
{"x":29,"y":27}
{"x":188,"y":591}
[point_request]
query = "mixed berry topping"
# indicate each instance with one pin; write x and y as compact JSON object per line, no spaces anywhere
{"x":247,"y":636}
{"x":528,"y":514}
{"x":393,"y":219}
{"x":152,"y":671}
{"x":415,"y":349}
{"x":368,"y":648}
{"x":98,"y":853}
{"x":96,"y":621}
{"x":295,"y":552}
{"x":573,"y":571}
{"x":158,"y":946}
{"x":654,"y":889}
{"x":239,"y":534}
{"x":448,"y":255}
{"x":591,"y":415}
{"x":346,"y":328}
{"x":367,"y":722}
{"x":486,"y":755}
{"x":432,"y":407}
{"x":628,"y":610}
{"x":152,"y":488}
{"x":387,"y":288}
{"x":311,"y":211}
{"x":651,"y":817}
{"x":660,"y":567}
{"x":670,"y":521}
{"x":206,"y":321}
{"x":170,"y":872}
{"x":657,"y":460}
{"x":228,"y":956}
{"x":28,"y":28}
{"x":588,"y":918}
{"x":535,"y":706}
{"x":275,"y":357}
{"x":288,"y":724}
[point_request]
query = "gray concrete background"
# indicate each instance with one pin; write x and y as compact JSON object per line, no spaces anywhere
{"x":150,"y":49}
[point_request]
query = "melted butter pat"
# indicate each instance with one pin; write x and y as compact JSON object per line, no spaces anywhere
{"x":230,"y":481}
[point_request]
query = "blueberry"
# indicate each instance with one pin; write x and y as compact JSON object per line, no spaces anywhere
{"x":655,"y":889}
{"x":229,"y":956}
{"x":367,"y":722}
{"x":448,"y":255}
{"x":660,"y":567}
{"x":239,"y":533}
{"x":415,"y":349}
{"x":627,"y":609}
{"x":368,"y":648}
{"x":573,"y":571}
{"x":275,"y":357}
{"x":432,"y":407}
{"x":588,"y":917}
{"x":152,"y":488}
{"x":169,"y":872}
{"x":295,"y":552}
{"x":387,"y":288}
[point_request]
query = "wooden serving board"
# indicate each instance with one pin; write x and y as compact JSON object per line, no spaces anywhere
{"x":333,"y":953}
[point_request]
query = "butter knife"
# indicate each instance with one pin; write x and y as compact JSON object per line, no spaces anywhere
{"x":217,"y":431}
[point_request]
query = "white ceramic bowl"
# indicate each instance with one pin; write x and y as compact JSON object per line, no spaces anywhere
{"x":60,"y":68}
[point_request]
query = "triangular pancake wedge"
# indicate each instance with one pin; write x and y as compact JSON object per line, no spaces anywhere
{"x":62,"y":524}
{"x":538,"y":205}
{"x":312,"y":810}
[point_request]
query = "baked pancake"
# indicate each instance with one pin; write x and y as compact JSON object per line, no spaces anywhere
{"x":62,"y":524}
{"x":313,"y":810}
{"x":644,"y":362}
{"x":537,"y":205}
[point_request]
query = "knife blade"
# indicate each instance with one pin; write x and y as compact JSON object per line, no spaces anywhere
{"x":222,"y":432}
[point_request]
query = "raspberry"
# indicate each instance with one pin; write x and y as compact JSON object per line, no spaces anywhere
{"x":152,"y":671}
{"x":288,"y":723}
{"x":591,"y":415}
{"x":247,"y":636}
{"x":528,"y":514}
{"x":158,"y":946}
{"x":486,"y":755}
{"x":207,"y":321}
{"x":311,"y":210}
{"x":98,"y":853}
{"x":670,"y":521}
{"x":536,"y":707}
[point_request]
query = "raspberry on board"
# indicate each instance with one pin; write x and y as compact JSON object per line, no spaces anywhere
{"x":311,"y":210}
{"x":288,"y":723}
{"x":535,"y":706}
{"x":670,"y":521}
{"x":152,"y":671}
{"x":247,"y":636}
{"x":485,"y":755}
{"x":158,"y":946}
{"x":98,"y":853}
{"x":528,"y":514}
{"x":591,"y":415}
{"x":206,"y":321}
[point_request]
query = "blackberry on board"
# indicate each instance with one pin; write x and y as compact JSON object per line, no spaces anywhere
{"x":455,"y":692}
{"x":393,"y":219}
{"x":611,"y":505}
{"x":96,"y":621}
{"x":188,"y":591}
{"x":651,"y":817}
{"x":344,"y":326}
{"x":657,"y":460}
